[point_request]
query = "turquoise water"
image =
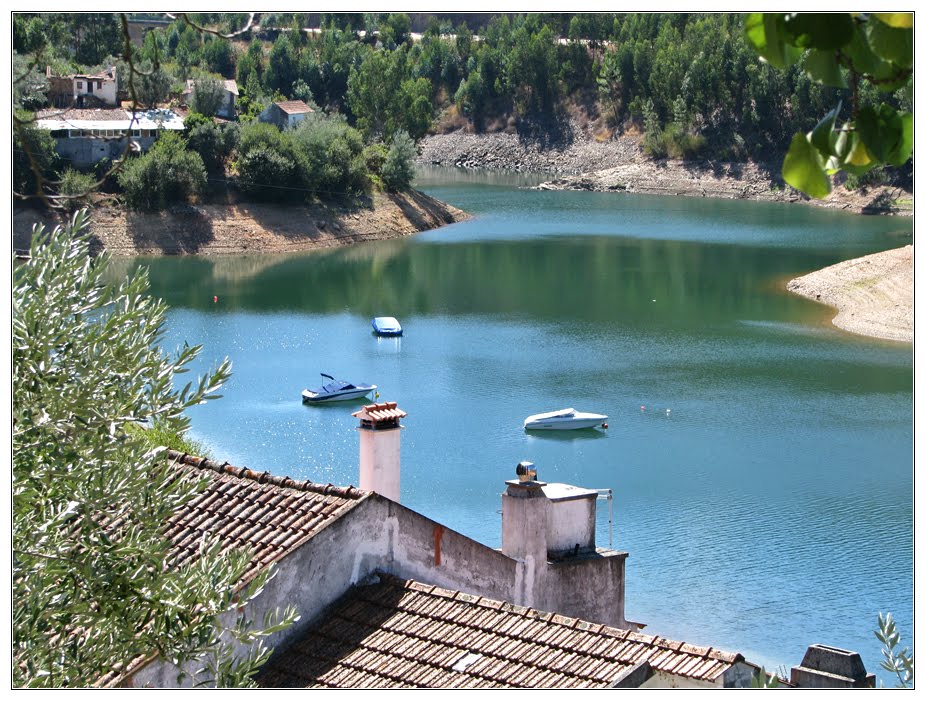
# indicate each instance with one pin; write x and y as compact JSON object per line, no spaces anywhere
{"x":761,"y":460}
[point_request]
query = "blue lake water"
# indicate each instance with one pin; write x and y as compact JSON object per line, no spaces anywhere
{"x":761,"y":461}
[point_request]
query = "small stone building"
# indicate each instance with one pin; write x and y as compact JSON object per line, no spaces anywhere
{"x":286,"y":114}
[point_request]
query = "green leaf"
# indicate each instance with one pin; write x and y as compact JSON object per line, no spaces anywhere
{"x":859,"y":161}
{"x":890,"y":43}
{"x":863,"y":59}
{"x":887,"y":133}
{"x":825,"y":69}
{"x":803,"y":169}
{"x":766,"y":33}
{"x":819,"y":30}
{"x":898,"y":20}
{"x":905,"y":147}
{"x":823,"y":137}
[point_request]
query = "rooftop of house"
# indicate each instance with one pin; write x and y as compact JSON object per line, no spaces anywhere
{"x":294,"y":107}
{"x":107,"y":74}
{"x":270,"y":515}
{"x":229,"y":86}
{"x":401,"y":633}
{"x":114,"y":118}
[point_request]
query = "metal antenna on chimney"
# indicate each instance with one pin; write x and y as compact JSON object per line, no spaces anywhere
{"x":609,"y":495}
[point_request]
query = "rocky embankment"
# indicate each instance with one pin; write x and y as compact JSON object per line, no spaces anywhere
{"x":619,"y":165}
{"x":873,"y":295}
{"x":251,"y":228}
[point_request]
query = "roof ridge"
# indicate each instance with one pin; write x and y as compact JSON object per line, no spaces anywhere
{"x":349,"y":492}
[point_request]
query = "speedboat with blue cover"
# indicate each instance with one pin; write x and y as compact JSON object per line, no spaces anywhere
{"x":387,"y":326}
{"x":563,"y":419}
{"x":336,"y":390}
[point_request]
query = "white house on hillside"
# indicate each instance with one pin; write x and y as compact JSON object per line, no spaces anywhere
{"x":83,"y":89}
{"x":85,"y":137}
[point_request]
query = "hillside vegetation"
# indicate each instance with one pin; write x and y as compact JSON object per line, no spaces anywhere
{"x":689,"y":83}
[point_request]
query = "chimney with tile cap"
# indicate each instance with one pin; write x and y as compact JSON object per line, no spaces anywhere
{"x":379,"y":448}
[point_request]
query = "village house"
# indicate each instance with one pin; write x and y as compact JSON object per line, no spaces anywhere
{"x":286,"y":114}
{"x":83,"y":90}
{"x":389,"y":597}
{"x":229,"y":97}
{"x":84,"y":137}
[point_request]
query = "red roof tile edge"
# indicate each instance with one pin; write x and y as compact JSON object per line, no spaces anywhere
{"x":349,"y":492}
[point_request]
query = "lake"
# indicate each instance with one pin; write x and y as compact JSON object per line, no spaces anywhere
{"x":760,"y":460}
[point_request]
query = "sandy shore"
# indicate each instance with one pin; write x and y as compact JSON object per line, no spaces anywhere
{"x":873,"y":295}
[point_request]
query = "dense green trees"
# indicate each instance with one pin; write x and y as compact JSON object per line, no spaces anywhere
{"x":691,"y":82}
{"x":322,"y":157}
{"x":92,"y":585}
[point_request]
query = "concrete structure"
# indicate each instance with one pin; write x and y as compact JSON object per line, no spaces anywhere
{"x":380,"y":449}
{"x":229,"y":97}
{"x":83,"y":89}
{"x":825,"y":667}
{"x":286,"y":114}
{"x":85,"y":137}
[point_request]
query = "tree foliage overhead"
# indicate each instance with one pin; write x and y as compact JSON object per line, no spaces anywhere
{"x":93,"y":584}
{"x":843,"y":51}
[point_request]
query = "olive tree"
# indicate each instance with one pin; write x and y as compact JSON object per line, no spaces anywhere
{"x":91,"y":588}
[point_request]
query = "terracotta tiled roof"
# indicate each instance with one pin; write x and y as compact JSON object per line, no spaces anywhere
{"x":401,"y":633}
{"x":294,"y":107}
{"x":269,"y":515}
{"x":376,"y":413}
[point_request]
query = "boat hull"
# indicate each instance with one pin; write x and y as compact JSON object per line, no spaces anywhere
{"x":563,"y":420}
{"x":310,"y":397}
{"x":386,"y":326}
{"x":564,"y":425}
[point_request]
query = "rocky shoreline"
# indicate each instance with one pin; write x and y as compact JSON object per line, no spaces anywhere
{"x":211,"y":229}
{"x":873,"y":295}
{"x":619,"y":165}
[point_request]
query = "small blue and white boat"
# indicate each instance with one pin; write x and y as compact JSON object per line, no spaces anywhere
{"x":387,"y":326}
{"x":336,"y":390}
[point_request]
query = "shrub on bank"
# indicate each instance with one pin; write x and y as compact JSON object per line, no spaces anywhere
{"x":168,"y":173}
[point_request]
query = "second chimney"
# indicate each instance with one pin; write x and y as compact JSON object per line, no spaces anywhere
{"x":380,"y":448}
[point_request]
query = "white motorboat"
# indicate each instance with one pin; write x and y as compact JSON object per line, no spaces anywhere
{"x":336,"y":390}
{"x":386,"y":326}
{"x":563,"y":419}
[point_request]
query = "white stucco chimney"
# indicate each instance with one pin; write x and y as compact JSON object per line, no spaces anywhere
{"x":379,"y":448}
{"x":541,"y":520}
